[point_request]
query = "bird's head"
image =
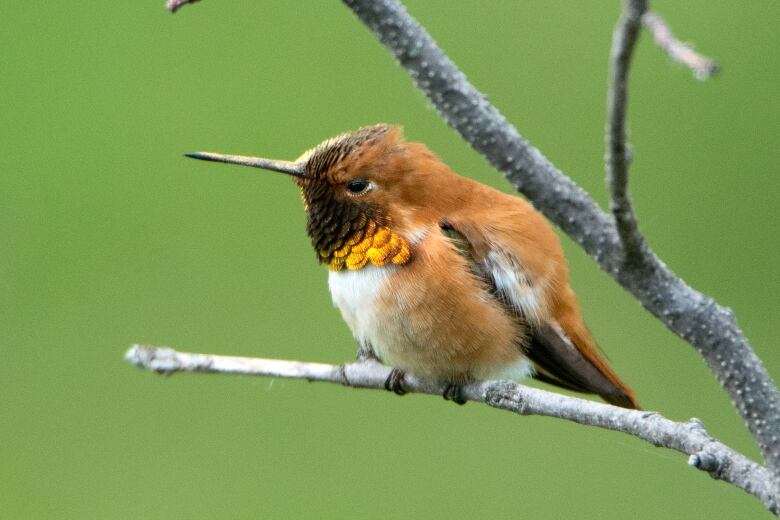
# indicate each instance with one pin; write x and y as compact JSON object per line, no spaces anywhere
{"x":364,"y":192}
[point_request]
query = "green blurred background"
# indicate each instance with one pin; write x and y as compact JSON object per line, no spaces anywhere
{"x":109,"y":237}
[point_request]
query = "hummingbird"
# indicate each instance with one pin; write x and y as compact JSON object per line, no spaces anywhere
{"x":437,"y":275}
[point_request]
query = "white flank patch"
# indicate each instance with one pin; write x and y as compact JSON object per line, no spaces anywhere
{"x":517,"y":371}
{"x":355,"y":294}
{"x":513,"y":282}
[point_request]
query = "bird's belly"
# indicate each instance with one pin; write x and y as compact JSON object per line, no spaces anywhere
{"x":355,"y":293}
{"x":413,"y":326}
{"x":374,"y":310}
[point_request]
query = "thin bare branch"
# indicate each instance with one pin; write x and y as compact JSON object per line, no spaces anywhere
{"x":624,"y":41}
{"x":175,"y":5}
{"x":690,"y":438}
{"x":701,"y":66}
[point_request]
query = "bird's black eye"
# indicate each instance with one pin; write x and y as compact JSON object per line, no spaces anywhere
{"x":358,"y":186}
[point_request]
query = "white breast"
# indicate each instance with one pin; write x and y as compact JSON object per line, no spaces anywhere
{"x":355,"y":294}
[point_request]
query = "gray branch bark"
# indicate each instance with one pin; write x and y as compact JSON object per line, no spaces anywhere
{"x":624,"y":41}
{"x":690,"y":438}
{"x":693,"y":316}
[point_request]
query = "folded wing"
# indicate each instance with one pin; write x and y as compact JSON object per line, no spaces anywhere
{"x":569,"y":361}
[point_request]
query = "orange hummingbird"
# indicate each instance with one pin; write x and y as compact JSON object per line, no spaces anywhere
{"x":438,"y":275}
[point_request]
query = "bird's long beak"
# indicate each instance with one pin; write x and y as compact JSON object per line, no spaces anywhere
{"x":290,"y":168}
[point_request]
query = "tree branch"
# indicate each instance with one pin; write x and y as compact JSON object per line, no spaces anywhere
{"x":175,"y":5}
{"x":701,"y":66}
{"x":696,"y":318}
{"x":690,"y":438}
{"x":624,"y":41}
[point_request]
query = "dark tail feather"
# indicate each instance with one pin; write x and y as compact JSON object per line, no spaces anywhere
{"x":622,"y":400}
{"x":559,"y":363}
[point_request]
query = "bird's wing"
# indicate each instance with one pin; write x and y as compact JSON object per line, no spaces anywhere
{"x":557,"y":358}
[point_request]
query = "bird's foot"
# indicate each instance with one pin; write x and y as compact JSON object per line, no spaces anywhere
{"x":366,"y":353}
{"x":394,"y":382}
{"x":454,"y":393}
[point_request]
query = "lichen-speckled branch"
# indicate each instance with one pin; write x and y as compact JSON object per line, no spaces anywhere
{"x":624,"y":41}
{"x":705,"y":453}
{"x":693,"y":316}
